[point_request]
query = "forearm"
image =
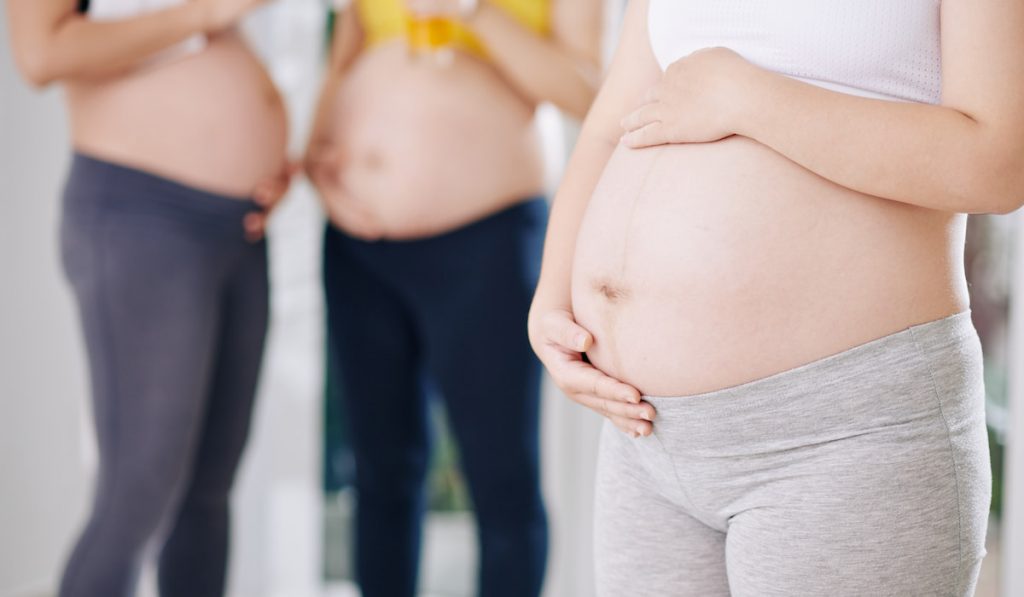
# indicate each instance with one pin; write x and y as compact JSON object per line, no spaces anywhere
{"x":538,"y":67}
{"x":81,"y":48}
{"x":345,"y":46}
{"x":930,"y":156}
{"x":592,"y":152}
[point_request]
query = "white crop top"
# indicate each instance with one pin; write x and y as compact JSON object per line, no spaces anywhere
{"x":887,"y":49}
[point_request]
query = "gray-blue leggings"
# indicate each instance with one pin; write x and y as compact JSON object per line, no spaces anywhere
{"x":862,"y":474}
{"x":173,"y":304}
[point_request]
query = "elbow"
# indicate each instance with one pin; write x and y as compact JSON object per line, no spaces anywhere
{"x":582,"y":105}
{"x":995,"y":186}
{"x":36,"y":68}
{"x":576,"y":99}
{"x":1005,"y":203}
{"x":577,"y":104}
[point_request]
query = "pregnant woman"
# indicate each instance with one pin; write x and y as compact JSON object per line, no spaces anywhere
{"x":426,"y":158}
{"x":179,"y":151}
{"x":763,"y":287}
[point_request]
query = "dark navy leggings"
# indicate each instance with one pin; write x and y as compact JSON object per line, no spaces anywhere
{"x":449,"y":310}
{"x":173,"y":303}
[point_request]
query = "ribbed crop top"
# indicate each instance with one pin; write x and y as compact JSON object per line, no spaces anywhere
{"x":383,"y":20}
{"x":888,"y":49}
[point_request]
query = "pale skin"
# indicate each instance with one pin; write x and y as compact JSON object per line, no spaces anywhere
{"x":965,"y":155}
{"x":53,"y":43}
{"x":495,"y":99}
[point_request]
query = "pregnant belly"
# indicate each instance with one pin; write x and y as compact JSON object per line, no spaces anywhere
{"x":428,"y":148}
{"x":699,"y":267}
{"x":213,"y":120}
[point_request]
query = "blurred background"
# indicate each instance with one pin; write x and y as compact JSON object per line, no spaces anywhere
{"x":293,"y":503}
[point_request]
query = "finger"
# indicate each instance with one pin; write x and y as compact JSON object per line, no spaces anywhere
{"x":652,"y":95}
{"x":560,"y":329}
{"x":321,"y":151}
{"x":639,"y":411}
{"x":641,"y":117}
{"x":269,"y":193}
{"x":255,"y":226}
{"x":291,"y":168}
{"x":618,"y":413}
{"x":632,"y":427}
{"x":648,"y":136}
{"x":581,"y":377}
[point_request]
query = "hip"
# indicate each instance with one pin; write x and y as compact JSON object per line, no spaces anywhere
{"x":114,"y":214}
{"x":906,"y":410}
{"x":503,"y":249}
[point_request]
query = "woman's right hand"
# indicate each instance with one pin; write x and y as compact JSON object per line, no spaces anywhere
{"x":218,"y":15}
{"x":323,"y":165}
{"x":560,"y":343}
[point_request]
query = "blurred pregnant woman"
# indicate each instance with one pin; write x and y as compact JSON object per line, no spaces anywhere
{"x":425,"y":154}
{"x":762,"y":286}
{"x":179,"y":140}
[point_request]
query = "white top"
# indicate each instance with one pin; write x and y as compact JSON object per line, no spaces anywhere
{"x":887,"y":49}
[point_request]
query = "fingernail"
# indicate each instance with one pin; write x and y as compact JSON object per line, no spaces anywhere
{"x":640,"y":431}
{"x":647,"y":416}
{"x":580,"y":341}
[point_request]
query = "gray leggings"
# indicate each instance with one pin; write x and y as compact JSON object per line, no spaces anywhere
{"x":173,"y":303}
{"x":864,"y":473}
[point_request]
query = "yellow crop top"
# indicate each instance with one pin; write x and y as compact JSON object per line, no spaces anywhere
{"x":383,"y":20}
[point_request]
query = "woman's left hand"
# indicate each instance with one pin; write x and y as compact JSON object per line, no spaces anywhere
{"x":698,"y":100}
{"x":268,"y":195}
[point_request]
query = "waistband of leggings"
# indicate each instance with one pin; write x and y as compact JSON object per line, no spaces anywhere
{"x":93,"y":181}
{"x":531,"y":210}
{"x":880,"y":371}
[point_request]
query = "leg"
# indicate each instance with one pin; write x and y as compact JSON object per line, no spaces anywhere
{"x":490,"y":380}
{"x":377,"y":354}
{"x":646,"y":545}
{"x":193,"y":562}
{"x":146,"y":291}
{"x":885,"y":513}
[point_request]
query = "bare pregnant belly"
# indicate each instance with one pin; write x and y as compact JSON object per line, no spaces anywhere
{"x":429,"y":148}
{"x":700,"y":267}
{"x":212,"y":120}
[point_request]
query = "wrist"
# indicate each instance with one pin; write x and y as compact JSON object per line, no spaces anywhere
{"x":749,"y":92}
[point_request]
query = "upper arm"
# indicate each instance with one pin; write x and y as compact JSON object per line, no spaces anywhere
{"x":32,"y":24}
{"x":578,"y":26}
{"x":983,"y":64}
{"x":633,"y":71}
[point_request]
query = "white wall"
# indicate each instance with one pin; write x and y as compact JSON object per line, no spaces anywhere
{"x":43,"y":482}
{"x":1013,"y":496}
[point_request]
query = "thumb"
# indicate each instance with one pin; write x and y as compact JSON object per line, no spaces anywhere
{"x":564,"y":331}
{"x":648,"y":135}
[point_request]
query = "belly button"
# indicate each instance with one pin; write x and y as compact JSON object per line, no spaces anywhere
{"x":612,"y":292}
{"x":373,"y":161}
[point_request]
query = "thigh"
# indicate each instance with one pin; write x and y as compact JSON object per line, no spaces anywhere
{"x":645,"y":544}
{"x":878,"y":514}
{"x":377,"y":356}
{"x":146,"y":289}
{"x":243,"y":308}
{"x":479,"y":354}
